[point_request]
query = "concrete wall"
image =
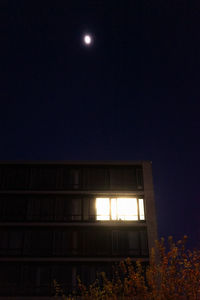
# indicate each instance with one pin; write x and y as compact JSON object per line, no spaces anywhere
{"x":149,"y":204}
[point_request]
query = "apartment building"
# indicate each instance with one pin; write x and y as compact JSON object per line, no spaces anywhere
{"x":63,"y":219}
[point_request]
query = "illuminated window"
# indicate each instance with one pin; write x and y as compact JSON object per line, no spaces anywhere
{"x":103,"y":208}
{"x":141,"y":209}
{"x":126,"y":209}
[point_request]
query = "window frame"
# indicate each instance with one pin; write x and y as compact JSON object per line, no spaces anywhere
{"x":121,"y":220}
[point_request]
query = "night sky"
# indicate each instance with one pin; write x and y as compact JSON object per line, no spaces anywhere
{"x":132,"y":95}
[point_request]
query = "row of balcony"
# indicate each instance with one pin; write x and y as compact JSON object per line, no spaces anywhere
{"x":66,"y":178}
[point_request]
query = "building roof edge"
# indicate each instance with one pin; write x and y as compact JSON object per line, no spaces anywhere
{"x":73,"y":162}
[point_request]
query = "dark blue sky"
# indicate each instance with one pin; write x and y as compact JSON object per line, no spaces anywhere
{"x":133,"y":95}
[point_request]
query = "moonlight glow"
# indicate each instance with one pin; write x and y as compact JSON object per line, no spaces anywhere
{"x":87,"y":39}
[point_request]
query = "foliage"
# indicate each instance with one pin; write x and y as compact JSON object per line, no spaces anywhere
{"x":172,"y":274}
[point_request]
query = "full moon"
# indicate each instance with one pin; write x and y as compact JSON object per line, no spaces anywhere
{"x":87,"y":39}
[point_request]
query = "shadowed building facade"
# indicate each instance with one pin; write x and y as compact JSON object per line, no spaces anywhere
{"x":63,"y":219}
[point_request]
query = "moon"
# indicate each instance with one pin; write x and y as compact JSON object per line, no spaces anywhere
{"x":87,"y":39}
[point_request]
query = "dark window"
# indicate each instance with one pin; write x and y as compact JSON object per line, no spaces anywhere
{"x":64,"y":275}
{"x":86,"y":242}
{"x":102,"y":242}
{"x":87,"y":273}
{"x":134,"y":245}
{"x":122,"y":178}
{"x":9,"y":279}
{"x":92,"y":209}
{"x":13,"y":208}
{"x":94,"y":242}
{"x":119,"y":242}
{"x":64,"y":243}
{"x":47,"y":210}
{"x":95,"y":178}
{"x":41,"y":208}
{"x":33,"y":209}
{"x":15,"y":177}
{"x":126,"y":243}
{"x":70,"y":178}
{"x":68,"y":209}
{"x":36,"y":280}
{"x":15,"y":243}
{"x":139,"y":174}
{"x":43,"y":280}
{"x":38,"y":243}
{"x":2,"y":208}
{"x":44,"y":178}
{"x":29,"y":279}
{"x":4,"y":238}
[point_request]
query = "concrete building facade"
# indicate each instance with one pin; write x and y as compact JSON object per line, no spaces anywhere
{"x":63,"y":219}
